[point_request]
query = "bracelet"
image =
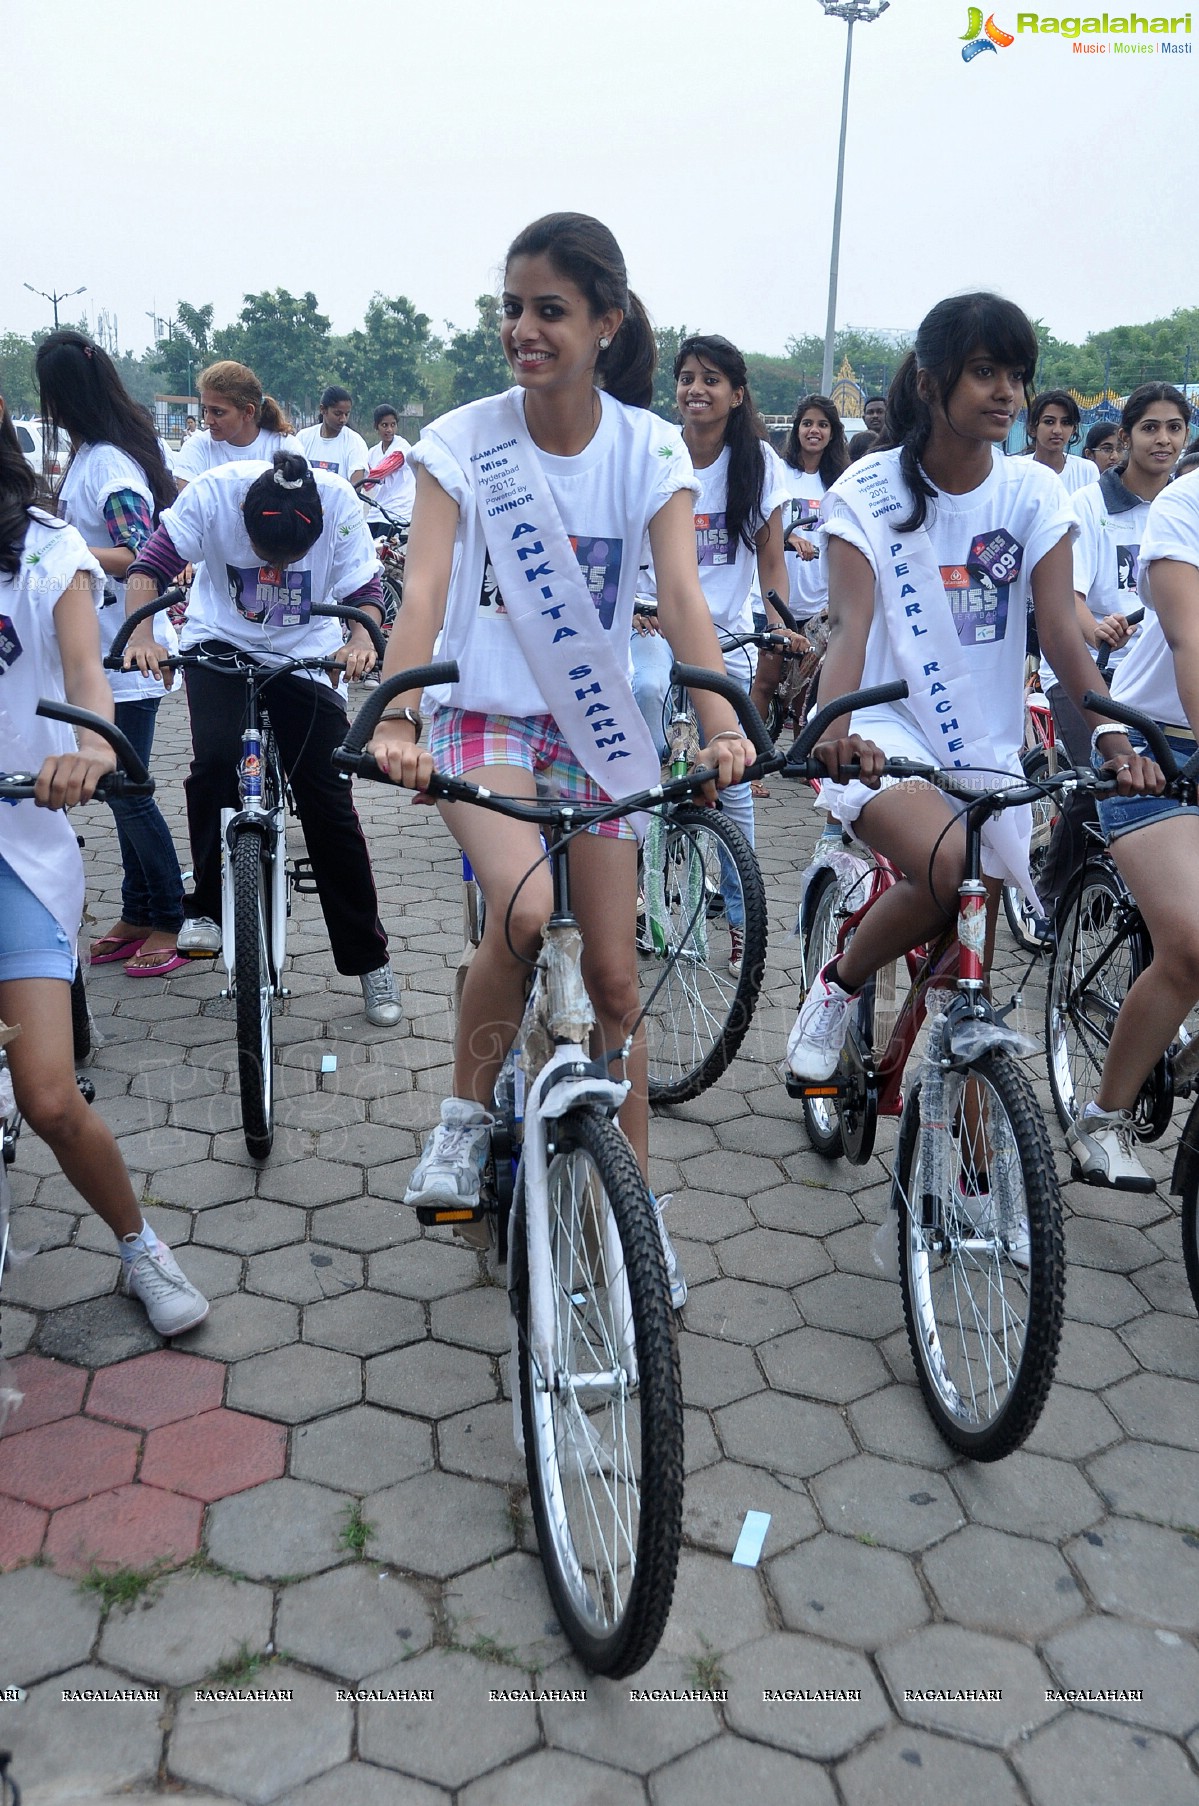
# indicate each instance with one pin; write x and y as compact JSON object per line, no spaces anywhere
{"x":403,"y":714}
{"x":726,"y":733}
{"x":1106,"y":727}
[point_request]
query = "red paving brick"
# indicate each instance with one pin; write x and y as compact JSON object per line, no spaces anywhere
{"x":131,"y":1527}
{"x":211,"y":1456}
{"x":21,"y":1530}
{"x":52,"y":1390}
{"x":65,"y":1461}
{"x":156,"y":1389}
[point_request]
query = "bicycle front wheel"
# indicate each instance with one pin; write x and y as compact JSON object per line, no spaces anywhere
{"x":982,"y":1258}
{"x":1092,"y":969}
{"x":703,"y":890}
{"x":254,"y":987}
{"x":821,"y":926}
{"x":604,"y":1429}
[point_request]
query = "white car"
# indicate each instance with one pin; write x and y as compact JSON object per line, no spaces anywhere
{"x":43,"y":449}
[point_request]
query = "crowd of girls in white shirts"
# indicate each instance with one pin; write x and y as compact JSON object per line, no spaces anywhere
{"x":708,"y":510}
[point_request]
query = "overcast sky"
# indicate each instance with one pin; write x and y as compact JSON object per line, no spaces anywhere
{"x":166,"y":151}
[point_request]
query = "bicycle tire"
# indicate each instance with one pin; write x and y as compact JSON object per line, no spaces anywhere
{"x":81,"y":1019}
{"x":702,"y":1012}
{"x":983,"y":1330}
{"x":393,"y":601}
{"x":606,"y":1477}
{"x":254,"y":987}
{"x":821,"y":1118}
{"x":1078,"y":1025}
{"x":1190,"y":1232}
{"x":1015,"y":907}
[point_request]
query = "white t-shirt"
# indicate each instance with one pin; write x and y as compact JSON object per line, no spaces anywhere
{"x":1146,"y":679}
{"x":1078,"y":474}
{"x":809,"y":583}
{"x":202,"y":452}
{"x":396,"y":492}
{"x":606,"y":496}
{"x":1106,"y":553}
{"x":39,"y":844}
{"x":343,"y":455}
{"x":95,"y":473}
{"x":1018,"y":514}
{"x":254,"y":606}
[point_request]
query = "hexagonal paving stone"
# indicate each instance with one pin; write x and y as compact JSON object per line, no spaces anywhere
{"x":99,"y":1331}
{"x":49,"y":1389}
{"x":48,"y":1625}
{"x":439,"y":1525}
{"x":477,"y":1318}
{"x":1149,"y":1480}
{"x":912,"y":1768}
{"x":505,"y":1603}
{"x":296,"y":1383}
{"x":22,"y":1528}
{"x":364,"y":1323}
{"x":215,"y":1454}
{"x":1165,"y":1344}
{"x":184,"y":1628}
{"x":813,"y":1207}
{"x":944,"y":1659}
{"x":412,"y":1737}
{"x":250,"y":1225}
{"x":304,"y":1272}
{"x":430,"y":1379}
{"x":61,"y":1276}
{"x":1141,"y":1571}
{"x":286,"y":1527}
{"x":896,"y":1422}
{"x":844,"y":1301}
{"x":129,"y":1527}
{"x":292,"y":1742}
{"x":363,"y":1449}
{"x":1027,"y":1493}
{"x":717,"y":1606}
{"x":554,"y":1775}
{"x":66,"y":1460}
{"x":156,"y":1389}
{"x":717,"y":1498}
{"x":770,"y":1257}
{"x":353,"y":1622}
{"x":480,"y":1444}
{"x":426,"y":1269}
{"x":1157,"y":1408}
{"x":1092,"y":1357}
{"x":111,"y":1748}
{"x":1011,"y":1585}
{"x":715,"y":1372}
{"x":365,"y":1786}
{"x":1166,"y":1670}
{"x":815,"y":1363}
{"x":309,"y":1182}
{"x":906,"y":1508}
{"x":733,"y":1768}
{"x":735,"y":1310}
{"x":608,"y":1727}
{"x":787,"y":1434}
{"x":833,"y":1586}
{"x":1082,"y":1758}
{"x":824,"y":1728}
{"x":1073,"y":1425}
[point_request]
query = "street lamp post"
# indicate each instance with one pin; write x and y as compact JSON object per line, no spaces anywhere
{"x":55,"y":299}
{"x":854,"y":12}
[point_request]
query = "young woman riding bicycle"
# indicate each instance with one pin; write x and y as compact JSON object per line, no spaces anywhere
{"x":584,"y":455}
{"x":934,"y":548}
{"x":240,"y":422}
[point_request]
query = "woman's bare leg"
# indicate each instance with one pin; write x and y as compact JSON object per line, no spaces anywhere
{"x":603,"y":874}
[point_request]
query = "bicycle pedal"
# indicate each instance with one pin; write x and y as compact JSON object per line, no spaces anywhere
{"x":432,"y":1214}
{"x":302,"y":880}
{"x":812,"y":1087}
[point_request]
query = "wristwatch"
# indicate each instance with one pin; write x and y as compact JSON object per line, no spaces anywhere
{"x":404,"y":715}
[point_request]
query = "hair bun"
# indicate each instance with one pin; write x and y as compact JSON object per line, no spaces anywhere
{"x":290,"y":470}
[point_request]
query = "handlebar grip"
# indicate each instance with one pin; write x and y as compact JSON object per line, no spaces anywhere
{"x":365,"y":722}
{"x":1159,"y":746}
{"x":783,"y":612}
{"x":696,"y":677}
{"x":1105,"y":651}
{"x":168,"y":599}
{"x":76,"y":717}
{"x":342,"y":611}
{"x":845,"y":705}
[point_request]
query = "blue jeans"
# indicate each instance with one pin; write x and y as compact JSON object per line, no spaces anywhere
{"x":152,"y":889}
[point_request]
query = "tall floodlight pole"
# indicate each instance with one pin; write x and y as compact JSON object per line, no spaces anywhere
{"x":55,"y":299}
{"x":854,"y":12}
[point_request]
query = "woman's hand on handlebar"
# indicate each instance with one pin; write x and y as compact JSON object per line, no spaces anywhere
{"x":727,"y":753}
{"x":1113,"y":630}
{"x":1135,"y":775}
{"x":851,"y":749}
{"x":394,"y":748}
{"x":152,"y":660}
{"x":357,"y":655}
{"x":807,"y":551}
{"x":70,"y":778}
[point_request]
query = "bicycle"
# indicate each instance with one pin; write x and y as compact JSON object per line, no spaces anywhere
{"x":391,"y":549}
{"x":697,"y":868}
{"x":258,"y":876}
{"x":981,"y":1242}
{"x":15,"y":787}
{"x":595,"y":1342}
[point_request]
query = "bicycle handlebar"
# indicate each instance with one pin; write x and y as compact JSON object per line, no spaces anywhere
{"x":1159,"y":746}
{"x":697,"y":677}
{"x":341,"y":611}
{"x":134,"y":780}
{"x":782,"y":611}
{"x":1105,"y":651}
{"x":832,"y":711}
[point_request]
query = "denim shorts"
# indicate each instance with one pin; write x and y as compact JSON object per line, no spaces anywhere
{"x":32,"y":945}
{"x":464,"y":740}
{"x":1120,"y":815}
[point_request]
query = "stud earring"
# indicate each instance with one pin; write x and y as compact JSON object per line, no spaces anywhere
{"x":604,"y":343}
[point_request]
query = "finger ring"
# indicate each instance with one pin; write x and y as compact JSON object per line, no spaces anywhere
{"x":1125,"y":767}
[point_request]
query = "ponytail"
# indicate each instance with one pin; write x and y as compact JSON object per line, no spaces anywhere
{"x":909,"y":425}
{"x":282,"y":509}
{"x":272,"y":419}
{"x":626,"y":369}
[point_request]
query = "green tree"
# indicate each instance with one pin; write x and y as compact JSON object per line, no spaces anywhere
{"x":384,"y":361}
{"x":284,"y":338}
{"x":476,"y":363}
{"x":18,"y":385}
{"x":668,"y":340}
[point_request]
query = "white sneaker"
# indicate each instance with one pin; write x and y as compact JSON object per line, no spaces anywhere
{"x":382,"y":1000}
{"x":450,"y":1170}
{"x":678,"y":1285}
{"x":1102,"y":1152}
{"x":199,"y":937}
{"x":815,"y":1042}
{"x":736,"y":950}
{"x":173,"y":1304}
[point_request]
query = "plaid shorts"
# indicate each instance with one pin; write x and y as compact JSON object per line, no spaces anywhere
{"x":465,"y":740}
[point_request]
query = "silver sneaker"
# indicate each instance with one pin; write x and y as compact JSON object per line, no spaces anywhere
{"x":382,"y":999}
{"x":1102,"y":1152}
{"x":674,"y":1273}
{"x":818,"y":1035}
{"x":173,"y":1304}
{"x":450,"y":1170}
{"x":199,"y":937}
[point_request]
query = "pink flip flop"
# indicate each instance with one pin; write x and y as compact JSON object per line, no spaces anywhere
{"x":117,"y":949}
{"x":171,"y":961}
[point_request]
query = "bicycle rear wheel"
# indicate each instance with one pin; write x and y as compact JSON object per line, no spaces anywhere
{"x":1091,"y":971}
{"x":1021,"y":918}
{"x":701,"y":882}
{"x":604,"y":1430}
{"x":984,"y":1328}
{"x":254,"y":987}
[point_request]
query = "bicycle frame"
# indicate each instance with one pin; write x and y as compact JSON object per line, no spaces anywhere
{"x":254,"y":781}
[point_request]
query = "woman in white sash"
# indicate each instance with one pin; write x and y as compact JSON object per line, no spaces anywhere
{"x":934,"y":548}
{"x":570,"y":451}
